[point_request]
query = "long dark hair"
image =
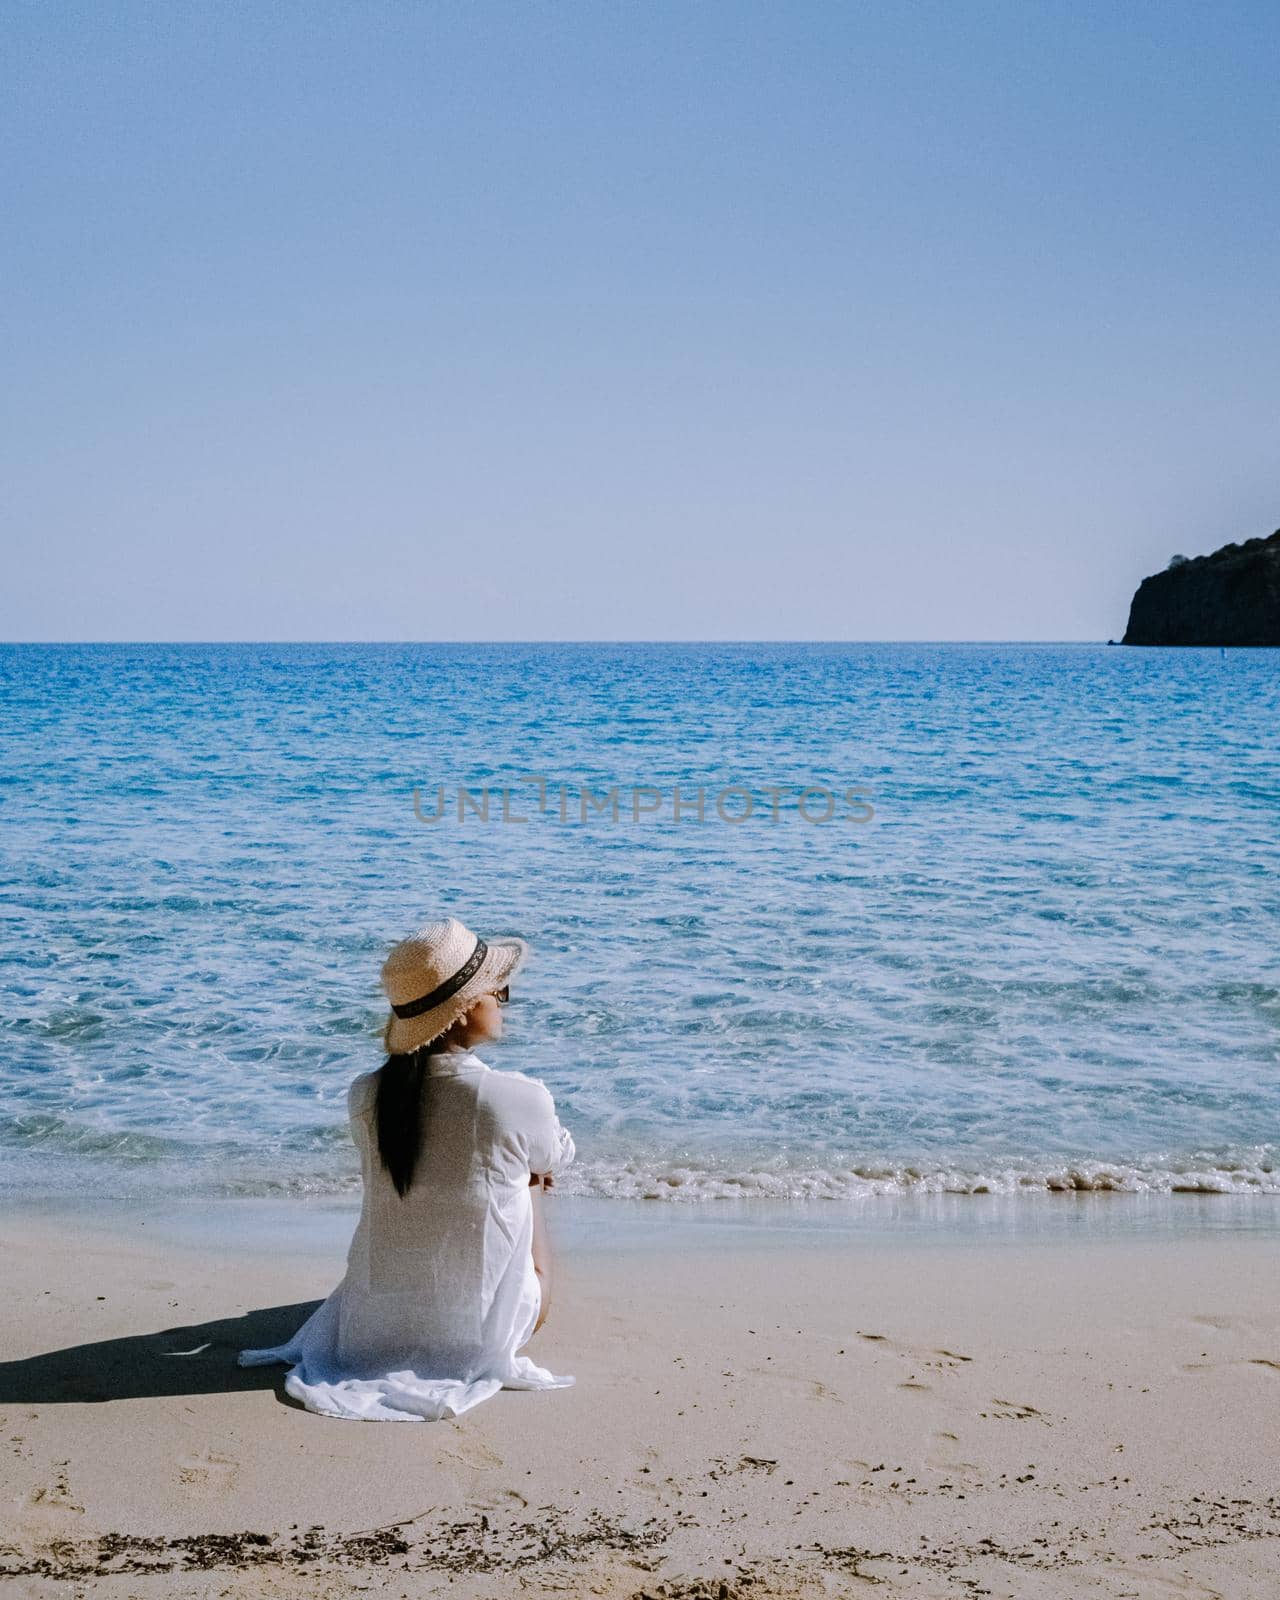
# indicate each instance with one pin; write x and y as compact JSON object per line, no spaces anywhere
{"x":399,"y":1113}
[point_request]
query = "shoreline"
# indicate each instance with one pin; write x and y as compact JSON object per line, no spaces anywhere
{"x":321,"y":1225}
{"x":761,"y":1411}
{"x":747,"y":1177}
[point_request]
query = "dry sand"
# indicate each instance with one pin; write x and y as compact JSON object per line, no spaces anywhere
{"x":753,"y":1419}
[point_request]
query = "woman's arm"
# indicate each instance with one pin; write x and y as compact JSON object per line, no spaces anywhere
{"x":541,"y":1255}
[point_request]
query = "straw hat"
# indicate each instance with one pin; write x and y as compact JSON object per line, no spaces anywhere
{"x":436,"y":975}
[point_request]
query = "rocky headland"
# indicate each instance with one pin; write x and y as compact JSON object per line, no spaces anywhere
{"x":1231,"y":597}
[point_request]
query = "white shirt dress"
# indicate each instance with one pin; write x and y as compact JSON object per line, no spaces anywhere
{"x":439,"y":1292}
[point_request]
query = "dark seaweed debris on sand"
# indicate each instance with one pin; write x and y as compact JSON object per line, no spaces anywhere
{"x":470,"y":1545}
{"x":473,"y":1545}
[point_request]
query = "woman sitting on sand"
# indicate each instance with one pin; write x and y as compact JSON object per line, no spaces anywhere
{"x":447,"y":1274}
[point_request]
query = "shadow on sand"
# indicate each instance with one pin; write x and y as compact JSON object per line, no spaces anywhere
{"x":193,"y":1358}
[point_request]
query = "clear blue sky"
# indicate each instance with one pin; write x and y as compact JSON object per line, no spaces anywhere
{"x":646,"y":320}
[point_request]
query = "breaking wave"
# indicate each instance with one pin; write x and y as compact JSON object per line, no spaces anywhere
{"x":676,"y":1183}
{"x":693,"y":1184}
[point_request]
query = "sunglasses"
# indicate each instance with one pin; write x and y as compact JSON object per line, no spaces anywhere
{"x":502,"y":995}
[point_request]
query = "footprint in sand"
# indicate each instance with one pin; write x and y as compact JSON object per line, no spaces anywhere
{"x":797,"y":1387}
{"x":943,"y":1455}
{"x":208,"y":1470}
{"x":500,"y":1501}
{"x":940,"y":1360}
{"x":1153,"y":1584}
{"x":1015,"y":1411}
{"x":53,"y":1505}
{"x":648,"y":1474}
{"x":472,"y":1452}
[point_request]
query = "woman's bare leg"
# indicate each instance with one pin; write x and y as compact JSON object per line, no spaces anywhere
{"x":541,"y":1256}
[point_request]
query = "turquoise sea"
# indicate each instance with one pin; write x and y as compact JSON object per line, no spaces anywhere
{"x":1034,"y":947}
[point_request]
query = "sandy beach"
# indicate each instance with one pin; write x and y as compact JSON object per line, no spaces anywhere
{"x":757,"y":1413}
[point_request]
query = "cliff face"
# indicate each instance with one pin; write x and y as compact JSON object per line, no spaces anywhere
{"x":1230,"y":597}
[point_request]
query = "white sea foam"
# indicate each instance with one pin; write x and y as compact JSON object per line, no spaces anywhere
{"x":693,"y":1184}
{"x":674,"y":1183}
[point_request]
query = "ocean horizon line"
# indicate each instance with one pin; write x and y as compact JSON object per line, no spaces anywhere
{"x":131,"y":644}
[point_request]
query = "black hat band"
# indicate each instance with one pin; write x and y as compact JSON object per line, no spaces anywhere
{"x":450,"y":987}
